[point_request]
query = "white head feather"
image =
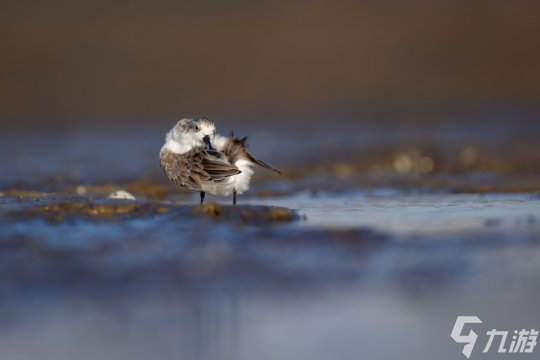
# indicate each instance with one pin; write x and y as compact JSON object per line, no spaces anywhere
{"x":189,"y":133}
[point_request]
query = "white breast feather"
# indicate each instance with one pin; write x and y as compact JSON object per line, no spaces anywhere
{"x":179,"y":143}
{"x":242,"y":180}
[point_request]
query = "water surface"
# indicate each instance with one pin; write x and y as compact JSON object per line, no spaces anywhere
{"x":371,"y":256}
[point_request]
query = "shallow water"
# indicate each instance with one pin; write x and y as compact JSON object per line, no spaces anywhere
{"x":351,"y":260}
{"x":360,"y":276}
{"x":394,"y":213}
{"x":344,"y":324}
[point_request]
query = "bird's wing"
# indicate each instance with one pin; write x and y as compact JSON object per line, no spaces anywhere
{"x":195,"y":166}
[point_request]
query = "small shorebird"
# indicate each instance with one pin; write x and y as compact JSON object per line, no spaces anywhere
{"x":197,"y":158}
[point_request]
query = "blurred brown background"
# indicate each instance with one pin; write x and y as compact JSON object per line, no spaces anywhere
{"x":93,"y":60}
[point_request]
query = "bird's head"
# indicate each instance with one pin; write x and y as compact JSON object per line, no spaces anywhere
{"x":199,"y":131}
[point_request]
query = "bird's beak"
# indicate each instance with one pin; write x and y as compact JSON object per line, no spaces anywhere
{"x":206,"y":140}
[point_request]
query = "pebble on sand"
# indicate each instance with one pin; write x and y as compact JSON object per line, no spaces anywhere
{"x":122,"y":195}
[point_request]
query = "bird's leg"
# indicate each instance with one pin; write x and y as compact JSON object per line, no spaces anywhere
{"x":202,"y":196}
{"x":234,"y":198}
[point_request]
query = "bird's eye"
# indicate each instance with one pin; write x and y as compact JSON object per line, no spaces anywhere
{"x":196,"y":128}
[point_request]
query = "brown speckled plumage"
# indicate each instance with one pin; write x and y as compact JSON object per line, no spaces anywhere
{"x":197,"y":165}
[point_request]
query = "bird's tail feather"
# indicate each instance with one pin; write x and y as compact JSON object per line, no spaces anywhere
{"x":261,"y":163}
